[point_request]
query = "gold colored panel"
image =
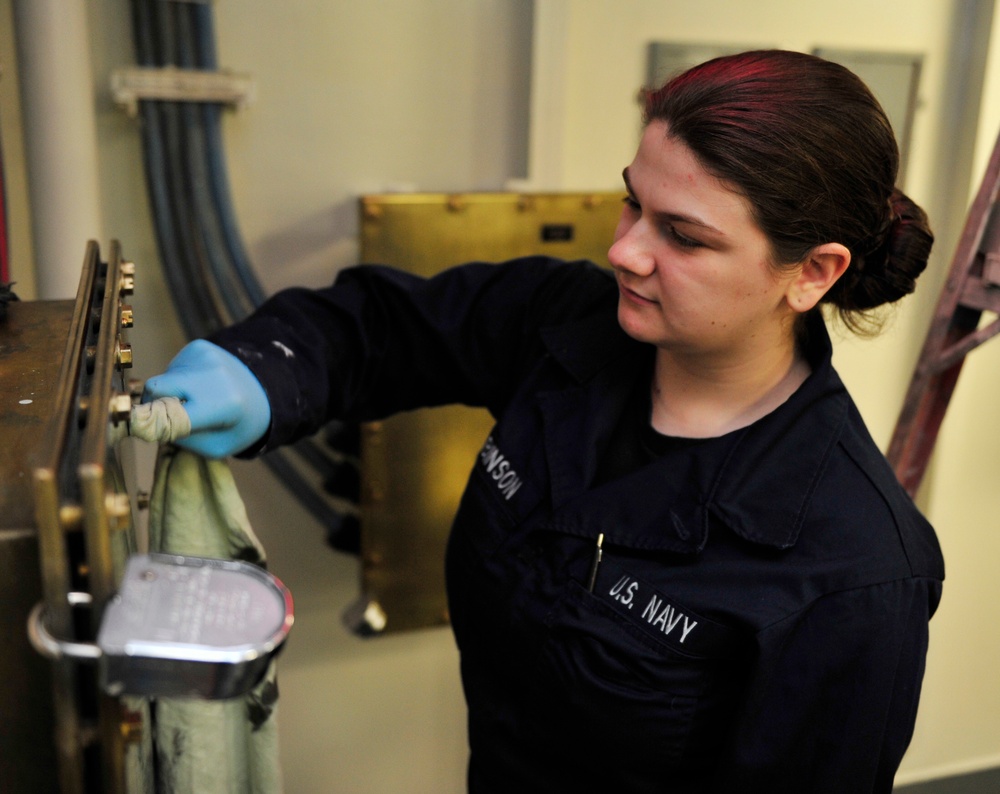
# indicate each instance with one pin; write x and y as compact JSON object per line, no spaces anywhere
{"x":414,"y":466}
{"x":424,"y":233}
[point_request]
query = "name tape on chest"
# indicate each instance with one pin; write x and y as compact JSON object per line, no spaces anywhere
{"x":662,"y":616}
{"x":499,"y":469}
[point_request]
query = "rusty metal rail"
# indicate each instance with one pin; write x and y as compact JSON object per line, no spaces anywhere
{"x":957,"y":328}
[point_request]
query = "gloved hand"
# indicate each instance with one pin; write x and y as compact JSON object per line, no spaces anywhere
{"x":228,"y":407}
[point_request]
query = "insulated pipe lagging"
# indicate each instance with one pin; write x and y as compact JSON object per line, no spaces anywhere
{"x":60,"y":138}
{"x":4,"y":237}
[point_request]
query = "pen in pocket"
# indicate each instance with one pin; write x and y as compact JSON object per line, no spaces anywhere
{"x":598,"y":553}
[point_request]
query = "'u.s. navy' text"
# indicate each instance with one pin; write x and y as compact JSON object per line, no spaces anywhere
{"x":657,"y":613}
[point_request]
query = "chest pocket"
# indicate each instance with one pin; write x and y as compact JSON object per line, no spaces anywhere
{"x":636,"y":677}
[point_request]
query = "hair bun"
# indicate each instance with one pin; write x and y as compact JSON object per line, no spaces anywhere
{"x":890,"y":270}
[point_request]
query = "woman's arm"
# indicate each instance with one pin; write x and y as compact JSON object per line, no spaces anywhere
{"x":382,"y":340}
{"x":832,"y":702}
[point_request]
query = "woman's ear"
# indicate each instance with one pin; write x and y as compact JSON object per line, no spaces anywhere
{"x":820,"y":271}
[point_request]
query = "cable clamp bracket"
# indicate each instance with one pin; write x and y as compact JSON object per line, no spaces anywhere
{"x":170,"y":84}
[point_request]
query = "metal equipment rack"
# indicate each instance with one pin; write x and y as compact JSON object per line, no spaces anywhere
{"x":65,"y":513}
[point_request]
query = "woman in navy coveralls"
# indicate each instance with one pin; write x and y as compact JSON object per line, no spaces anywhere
{"x":681,"y":564}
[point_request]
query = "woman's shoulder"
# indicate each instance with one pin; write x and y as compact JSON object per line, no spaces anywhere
{"x":873,"y":505}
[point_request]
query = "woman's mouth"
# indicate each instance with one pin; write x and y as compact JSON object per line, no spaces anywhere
{"x":633,"y":296}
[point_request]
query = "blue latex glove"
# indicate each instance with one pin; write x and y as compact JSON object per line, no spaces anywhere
{"x":228,"y":407}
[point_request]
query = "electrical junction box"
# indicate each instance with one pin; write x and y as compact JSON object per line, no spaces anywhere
{"x":414,"y":466}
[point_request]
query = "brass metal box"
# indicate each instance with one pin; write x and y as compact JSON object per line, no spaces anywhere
{"x":414,"y":466}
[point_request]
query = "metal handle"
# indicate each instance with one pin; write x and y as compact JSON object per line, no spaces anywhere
{"x":365,"y":617}
{"x":54,"y":648}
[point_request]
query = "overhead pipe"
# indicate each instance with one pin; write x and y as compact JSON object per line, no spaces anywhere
{"x":4,"y":237}
{"x":60,"y":138}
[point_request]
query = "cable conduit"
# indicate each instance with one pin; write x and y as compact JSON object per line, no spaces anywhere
{"x":205,"y":263}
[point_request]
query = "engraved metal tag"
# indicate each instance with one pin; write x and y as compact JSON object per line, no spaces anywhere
{"x":192,"y":626}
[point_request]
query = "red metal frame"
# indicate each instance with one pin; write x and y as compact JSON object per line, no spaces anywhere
{"x":972,"y":287}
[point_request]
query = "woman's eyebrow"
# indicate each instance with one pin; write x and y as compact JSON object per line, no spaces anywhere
{"x":674,"y":217}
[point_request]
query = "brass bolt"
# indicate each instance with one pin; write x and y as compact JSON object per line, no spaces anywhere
{"x":117,"y":505}
{"x":127,"y":283}
{"x":120,"y":407}
{"x":131,"y":726}
{"x":124,"y":355}
{"x":70,"y":517}
{"x":127,"y":317}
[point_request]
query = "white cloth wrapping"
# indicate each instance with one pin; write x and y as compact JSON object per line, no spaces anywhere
{"x":160,"y":421}
{"x":223,"y":747}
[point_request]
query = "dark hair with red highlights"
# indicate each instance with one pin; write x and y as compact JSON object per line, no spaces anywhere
{"x":808,"y":145}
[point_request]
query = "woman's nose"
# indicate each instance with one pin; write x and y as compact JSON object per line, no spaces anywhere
{"x":630,"y":253}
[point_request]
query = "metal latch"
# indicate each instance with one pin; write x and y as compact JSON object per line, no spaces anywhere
{"x":181,"y":627}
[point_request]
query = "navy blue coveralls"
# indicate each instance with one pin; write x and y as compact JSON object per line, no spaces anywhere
{"x":759,"y":618}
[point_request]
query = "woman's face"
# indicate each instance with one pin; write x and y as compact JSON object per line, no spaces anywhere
{"x":693,"y":266}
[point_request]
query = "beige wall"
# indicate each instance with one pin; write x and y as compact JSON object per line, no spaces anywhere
{"x":359,"y":97}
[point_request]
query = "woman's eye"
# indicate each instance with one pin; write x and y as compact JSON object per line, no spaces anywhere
{"x":669,"y":230}
{"x":680,"y":239}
